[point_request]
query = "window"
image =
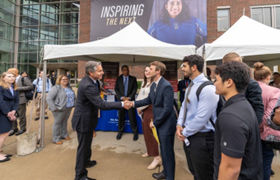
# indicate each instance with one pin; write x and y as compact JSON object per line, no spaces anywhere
{"x":268,"y":15}
{"x":223,"y":20}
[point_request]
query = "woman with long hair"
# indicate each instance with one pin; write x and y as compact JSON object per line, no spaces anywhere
{"x":177,"y":26}
{"x":61,"y":100}
{"x":9,"y":100}
{"x":270,"y":96}
{"x":147,"y":116}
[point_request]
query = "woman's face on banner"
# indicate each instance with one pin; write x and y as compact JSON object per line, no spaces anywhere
{"x":174,"y":8}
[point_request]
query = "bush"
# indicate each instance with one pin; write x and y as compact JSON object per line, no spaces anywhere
{"x":139,"y":84}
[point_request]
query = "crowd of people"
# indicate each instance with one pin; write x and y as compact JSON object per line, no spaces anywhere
{"x":234,"y":142}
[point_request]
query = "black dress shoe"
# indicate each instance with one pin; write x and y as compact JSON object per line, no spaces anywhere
{"x":88,"y":178}
{"x":36,"y":119}
{"x":159,"y":176}
{"x":12,"y":132}
{"x":272,"y":173}
{"x":135,"y":137}
{"x":20,"y":132}
{"x":8,"y":155}
{"x":5,"y":160}
{"x":91,"y":164}
{"x":46,"y":117}
{"x":119,"y":136}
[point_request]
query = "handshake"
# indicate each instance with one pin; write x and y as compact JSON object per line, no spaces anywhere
{"x":128,"y":104}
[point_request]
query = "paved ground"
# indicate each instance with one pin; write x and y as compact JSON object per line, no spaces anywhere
{"x":119,"y":160}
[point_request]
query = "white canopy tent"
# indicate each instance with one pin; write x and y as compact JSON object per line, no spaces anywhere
{"x":247,"y":37}
{"x":131,"y":44}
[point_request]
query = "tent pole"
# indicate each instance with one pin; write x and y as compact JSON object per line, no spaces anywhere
{"x":203,"y":56}
{"x":43,"y":102}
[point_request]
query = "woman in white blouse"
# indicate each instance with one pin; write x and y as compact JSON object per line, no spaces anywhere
{"x":147,"y":116}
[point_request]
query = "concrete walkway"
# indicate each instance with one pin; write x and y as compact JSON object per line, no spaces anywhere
{"x":118,"y":160}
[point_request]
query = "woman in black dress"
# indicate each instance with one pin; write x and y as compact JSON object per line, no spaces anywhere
{"x":9,"y":101}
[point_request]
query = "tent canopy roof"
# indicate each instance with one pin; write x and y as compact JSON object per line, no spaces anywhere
{"x":248,"y":38}
{"x":131,"y":43}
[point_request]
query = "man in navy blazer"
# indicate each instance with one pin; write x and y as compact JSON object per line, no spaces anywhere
{"x":85,"y":116}
{"x":162,"y":98}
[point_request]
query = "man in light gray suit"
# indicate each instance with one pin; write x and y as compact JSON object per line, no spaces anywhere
{"x":24,"y":84}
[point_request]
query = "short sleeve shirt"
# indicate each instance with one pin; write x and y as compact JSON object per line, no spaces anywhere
{"x":237,"y":136}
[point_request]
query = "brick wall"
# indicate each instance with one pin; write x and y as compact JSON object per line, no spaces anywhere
{"x":236,"y":11}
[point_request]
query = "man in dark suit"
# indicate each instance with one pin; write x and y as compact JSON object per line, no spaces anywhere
{"x":162,"y":97}
{"x":125,"y":88}
{"x":182,"y":86}
{"x":85,"y":116}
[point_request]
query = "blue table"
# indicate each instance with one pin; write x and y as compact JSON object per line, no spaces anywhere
{"x":108,"y":121}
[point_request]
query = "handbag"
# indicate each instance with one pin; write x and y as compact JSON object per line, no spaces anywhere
{"x":28,"y":94}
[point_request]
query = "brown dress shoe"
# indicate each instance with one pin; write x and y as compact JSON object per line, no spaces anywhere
{"x":58,"y":143}
{"x":66,"y":138}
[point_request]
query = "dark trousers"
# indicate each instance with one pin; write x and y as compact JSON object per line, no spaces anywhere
{"x":22,"y":117}
{"x":83,"y":154}
{"x":132,"y":120}
{"x":200,"y":155}
{"x":267,"y":160}
{"x":167,"y":154}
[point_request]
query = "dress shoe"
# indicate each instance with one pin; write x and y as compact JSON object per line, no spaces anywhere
{"x":8,"y":155}
{"x":159,"y":176}
{"x":66,"y":138}
{"x":135,"y":137}
{"x":37,"y":118}
{"x":145,"y":155}
{"x":156,"y":162}
{"x":91,"y":164}
{"x":119,"y":136}
{"x":272,"y":173}
{"x":88,"y":178}
{"x":46,"y":117}
{"x":58,"y":143}
{"x":12,"y":132}
{"x":20,"y":132}
{"x":5,"y":160}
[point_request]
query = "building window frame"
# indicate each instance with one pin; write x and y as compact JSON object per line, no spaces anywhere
{"x":222,"y":17}
{"x":273,"y":14}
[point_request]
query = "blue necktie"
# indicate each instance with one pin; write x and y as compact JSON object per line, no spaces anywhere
{"x":125,"y":86}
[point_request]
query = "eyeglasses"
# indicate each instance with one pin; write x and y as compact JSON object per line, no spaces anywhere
{"x":64,"y":79}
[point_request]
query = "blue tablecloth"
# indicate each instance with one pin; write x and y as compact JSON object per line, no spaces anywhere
{"x":108,"y":121}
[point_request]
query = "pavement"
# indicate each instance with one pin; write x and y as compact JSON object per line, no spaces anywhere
{"x":116,"y":159}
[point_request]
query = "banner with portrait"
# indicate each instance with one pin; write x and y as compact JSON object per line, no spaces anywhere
{"x":181,"y":22}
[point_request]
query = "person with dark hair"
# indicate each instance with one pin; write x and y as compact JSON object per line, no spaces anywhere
{"x":177,"y":26}
{"x":270,"y":96}
{"x":24,"y":74}
{"x":161,"y":96}
{"x":194,"y":128}
{"x":147,"y":116}
{"x":126,"y":88}
{"x":39,"y":88}
{"x":237,"y":141}
{"x":182,"y":86}
{"x":208,"y":73}
{"x":53,"y":78}
{"x":253,"y":92}
{"x":85,"y":117}
{"x":276,"y":80}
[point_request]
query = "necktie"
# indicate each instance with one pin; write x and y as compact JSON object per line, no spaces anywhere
{"x":155,"y":87}
{"x":187,"y":83}
{"x":186,"y":101}
{"x":125,"y":86}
